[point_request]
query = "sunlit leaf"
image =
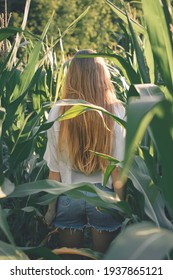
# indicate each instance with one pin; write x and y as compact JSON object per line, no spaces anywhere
{"x":6,"y":188}
{"x":81,"y":106}
{"x":2,"y":115}
{"x":139,"y":28}
{"x":81,"y":252}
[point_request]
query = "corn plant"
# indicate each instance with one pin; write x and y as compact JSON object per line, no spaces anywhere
{"x":29,"y":83}
{"x":149,"y":114}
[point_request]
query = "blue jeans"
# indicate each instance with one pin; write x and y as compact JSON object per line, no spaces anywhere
{"x":78,"y":213}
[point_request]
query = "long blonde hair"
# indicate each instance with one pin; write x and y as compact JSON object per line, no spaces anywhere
{"x":87,"y":79}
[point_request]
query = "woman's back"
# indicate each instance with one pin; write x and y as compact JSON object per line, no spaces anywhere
{"x":62,"y":164}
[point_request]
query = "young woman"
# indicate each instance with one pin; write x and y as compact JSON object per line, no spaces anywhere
{"x":70,"y":158}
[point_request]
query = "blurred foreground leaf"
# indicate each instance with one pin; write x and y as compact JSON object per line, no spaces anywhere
{"x":142,"y":241}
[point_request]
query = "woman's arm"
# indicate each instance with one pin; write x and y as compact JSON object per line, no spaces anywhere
{"x":118,"y":187}
{"x":54,"y":176}
{"x":50,"y":214}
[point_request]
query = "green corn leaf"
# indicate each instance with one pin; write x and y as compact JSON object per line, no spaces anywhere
{"x":21,"y":152}
{"x":5,"y":33}
{"x":111,"y":159}
{"x":2,"y":116}
{"x":143,"y":68}
{"x":81,"y":106}
{"x":142,"y":241}
{"x":148,"y":90}
{"x":6,"y":188}
{"x":148,"y":54}
{"x":159,"y":36}
{"x":157,"y":113}
{"x":47,"y":27}
{"x":104,"y":200}
{"x":29,"y":209}
{"x":5,"y":227}
{"x":10,"y":252}
{"x":40,"y":253}
{"x":138,"y":174}
{"x":162,"y":129}
{"x":108,"y":172}
{"x":28,"y":73}
{"x":14,"y":105}
{"x":122,"y":15}
{"x":139,"y":115}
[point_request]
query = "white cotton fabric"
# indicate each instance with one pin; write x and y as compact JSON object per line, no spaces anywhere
{"x":68,"y":175}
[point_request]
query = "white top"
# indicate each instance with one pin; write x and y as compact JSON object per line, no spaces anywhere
{"x":68,"y":175}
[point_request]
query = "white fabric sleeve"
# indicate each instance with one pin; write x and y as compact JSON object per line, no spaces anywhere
{"x":119,"y":134}
{"x":50,"y":155}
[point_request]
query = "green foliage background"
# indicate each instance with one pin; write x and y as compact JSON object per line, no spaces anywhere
{"x":98,"y":29}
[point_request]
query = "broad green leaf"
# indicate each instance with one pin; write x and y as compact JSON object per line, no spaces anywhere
{"x":85,"y":252}
{"x":150,"y":162}
{"x":111,"y":159}
{"x":5,"y":227}
{"x":81,"y":106}
{"x":142,"y":241}
{"x":162,"y":129}
{"x":163,"y":218}
{"x":117,"y":209}
{"x":143,"y":69}
{"x":8,"y":32}
{"x":108,"y":172}
{"x":140,"y":113}
{"x":111,"y":166}
{"x":6,"y":188}
{"x":159,"y":38}
{"x":15,"y":105}
{"x":157,"y":113}
{"x":21,"y":152}
{"x":30,"y":209}
{"x":40,"y":253}
{"x":20,"y":132}
{"x":2,"y":116}
{"x":10,"y":252}
{"x":149,"y":90}
{"x":28,"y":72}
{"x":103,"y":199}
{"x":149,"y":58}
{"x":139,"y":28}
{"x":138,"y":173}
